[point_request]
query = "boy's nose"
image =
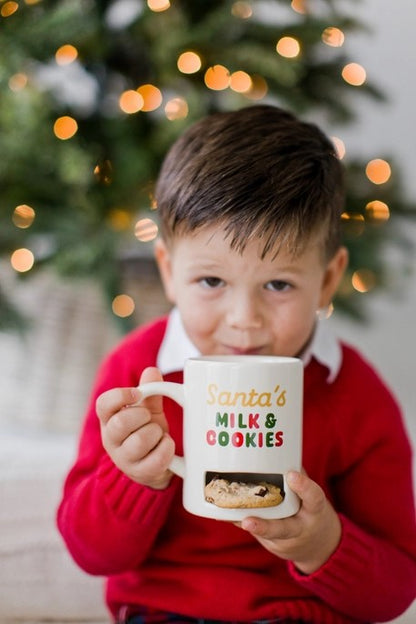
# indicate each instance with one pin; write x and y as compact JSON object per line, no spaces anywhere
{"x":244,"y":313}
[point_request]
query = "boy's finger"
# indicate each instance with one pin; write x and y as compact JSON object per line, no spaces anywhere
{"x":154,"y":403}
{"x":112,"y":401}
{"x":309,"y":492}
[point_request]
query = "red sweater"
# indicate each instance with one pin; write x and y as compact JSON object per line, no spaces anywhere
{"x":154,"y":553}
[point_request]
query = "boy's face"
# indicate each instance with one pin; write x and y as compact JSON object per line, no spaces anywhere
{"x":238,"y":303}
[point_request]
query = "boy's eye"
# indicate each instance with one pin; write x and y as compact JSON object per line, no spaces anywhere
{"x":211,"y":282}
{"x":277,"y":285}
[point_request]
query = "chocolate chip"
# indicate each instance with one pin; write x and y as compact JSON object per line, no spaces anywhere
{"x":262,"y":492}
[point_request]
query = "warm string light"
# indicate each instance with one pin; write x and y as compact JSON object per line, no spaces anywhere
{"x":176,"y":108}
{"x":22,"y":260}
{"x":189,"y":62}
{"x":119,"y":219}
{"x":240,"y":82}
{"x":66,"y":54}
{"x":131,"y":102}
{"x":259,"y":88}
{"x":353,"y":223}
{"x":65,"y":127}
{"x":23,"y":216}
{"x":123,"y":305}
{"x":242,"y":10}
{"x":9,"y":8}
{"x":333,"y":37}
{"x":300,"y":6}
{"x":145,"y":98}
{"x":289,"y":47}
{"x":217,"y":77}
{"x":363,"y":280}
{"x":378,"y":171}
{"x":354,"y":74}
{"x":103,"y":172}
{"x":158,"y":5}
{"x":146,"y":230}
{"x":17,"y":82}
{"x":152,"y":97}
{"x":377,"y":211}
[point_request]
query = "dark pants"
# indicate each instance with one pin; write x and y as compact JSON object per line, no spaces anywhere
{"x":148,"y":616}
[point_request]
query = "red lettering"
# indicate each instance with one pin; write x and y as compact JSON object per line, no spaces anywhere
{"x":211,"y":437}
{"x":279,"y":438}
{"x":237,"y":439}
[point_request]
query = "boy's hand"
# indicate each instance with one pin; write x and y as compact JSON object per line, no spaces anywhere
{"x":308,"y":538}
{"x":136,"y":436}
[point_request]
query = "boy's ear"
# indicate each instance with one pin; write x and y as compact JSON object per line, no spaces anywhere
{"x":164,"y":263}
{"x":332,"y":277}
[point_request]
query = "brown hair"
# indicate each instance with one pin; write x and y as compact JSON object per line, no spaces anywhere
{"x":258,"y":171}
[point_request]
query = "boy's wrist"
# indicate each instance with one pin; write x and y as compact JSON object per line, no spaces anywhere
{"x":326,"y":548}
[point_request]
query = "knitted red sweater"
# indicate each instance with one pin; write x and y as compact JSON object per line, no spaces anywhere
{"x":155,"y":553}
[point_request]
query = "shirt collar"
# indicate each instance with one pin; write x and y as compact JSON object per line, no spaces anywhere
{"x":176,"y":347}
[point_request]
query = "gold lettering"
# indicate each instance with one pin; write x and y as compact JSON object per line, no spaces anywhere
{"x":224,"y":398}
{"x":265,"y":399}
{"x":243,"y":399}
{"x":211,"y":392}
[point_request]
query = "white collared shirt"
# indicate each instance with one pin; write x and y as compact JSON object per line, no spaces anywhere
{"x":176,"y":347}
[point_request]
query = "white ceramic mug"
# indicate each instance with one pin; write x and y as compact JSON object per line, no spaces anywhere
{"x":242,"y":425}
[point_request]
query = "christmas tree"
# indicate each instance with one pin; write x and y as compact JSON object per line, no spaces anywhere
{"x":94,"y":92}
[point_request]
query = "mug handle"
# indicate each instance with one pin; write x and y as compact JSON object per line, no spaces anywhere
{"x":173,"y":391}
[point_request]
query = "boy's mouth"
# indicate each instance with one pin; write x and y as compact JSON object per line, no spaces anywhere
{"x":245,"y":351}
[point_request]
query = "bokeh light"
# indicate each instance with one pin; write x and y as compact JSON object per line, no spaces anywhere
{"x":189,"y":62}
{"x":242,"y":10}
{"x":22,"y":260}
{"x":17,"y":82}
{"x":66,"y":54}
{"x":363,"y":280}
{"x":240,"y":82}
{"x":217,"y":77}
{"x":288,"y":47}
{"x":131,"y":102}
{"x":123,"y":305}
{"x":333,"y":36}
{"x":119,"y":219}
{"x":377,"y":211}
{"x":23,"y":216}
{"x":259,"y":88}
{"x":65,"y":127}
{"x":158,"y":5}
{"x":378,"y":171}
{"x":353,"y":223}
{"x":354,"y":74}
{"x":145,"y":230}
{"x":8,"y":9}
{"x":300,"y":6}
{"x":152,"y":97}
{"x":176,"y":108}
{"x":103,"y":172}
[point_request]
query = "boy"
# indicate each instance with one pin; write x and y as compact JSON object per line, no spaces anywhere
{"x":249,"y":204}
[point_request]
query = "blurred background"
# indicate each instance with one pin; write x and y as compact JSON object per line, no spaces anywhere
{"x":92,"y":93}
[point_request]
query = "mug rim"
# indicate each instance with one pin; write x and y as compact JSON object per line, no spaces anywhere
{"x":245,"y":359}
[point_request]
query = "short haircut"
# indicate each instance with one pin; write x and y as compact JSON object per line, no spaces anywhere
{"x":255,"y":172}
